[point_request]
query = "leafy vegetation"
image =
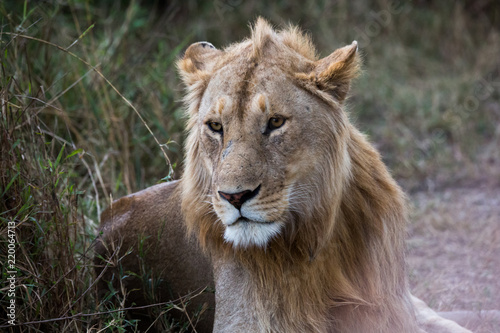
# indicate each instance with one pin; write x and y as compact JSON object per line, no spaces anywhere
{"x":71,"y":142}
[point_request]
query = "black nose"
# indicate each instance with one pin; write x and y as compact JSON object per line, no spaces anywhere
{"x":238,"y":199}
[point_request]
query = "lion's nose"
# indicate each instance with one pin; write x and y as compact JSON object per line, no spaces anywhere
{"x":238,"y":199}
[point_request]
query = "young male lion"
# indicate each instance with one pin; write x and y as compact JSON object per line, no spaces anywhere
{"x":303,"y":223}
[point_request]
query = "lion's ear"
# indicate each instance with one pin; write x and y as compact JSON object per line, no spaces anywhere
{"x":333,"y":74}
{"x":197,"y":62}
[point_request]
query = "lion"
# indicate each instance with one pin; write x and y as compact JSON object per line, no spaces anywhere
{"x":284,"y":205}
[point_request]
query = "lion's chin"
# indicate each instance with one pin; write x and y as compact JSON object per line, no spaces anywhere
{"x":245,"y":233}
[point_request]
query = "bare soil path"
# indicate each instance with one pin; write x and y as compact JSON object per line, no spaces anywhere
{"x":454,"y":250}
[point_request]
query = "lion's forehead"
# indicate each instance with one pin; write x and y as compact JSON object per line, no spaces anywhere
{"x":235,"y":90}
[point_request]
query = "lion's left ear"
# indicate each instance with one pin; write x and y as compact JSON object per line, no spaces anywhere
{"x":333,"y":74}
{"x":197,"y":62}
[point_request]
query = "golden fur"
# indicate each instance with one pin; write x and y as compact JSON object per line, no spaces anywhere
{"x":337,"y":263}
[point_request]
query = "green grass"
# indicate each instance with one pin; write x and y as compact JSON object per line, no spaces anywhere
{"x":429,"y":99}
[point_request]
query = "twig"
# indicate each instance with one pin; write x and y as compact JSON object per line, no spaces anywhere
{"x":184,"y":309}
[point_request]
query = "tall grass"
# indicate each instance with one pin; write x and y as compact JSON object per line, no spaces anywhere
{"x":429,"y":98}
{"x":69,"y":142}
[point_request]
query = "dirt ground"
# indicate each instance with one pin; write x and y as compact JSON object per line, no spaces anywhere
{"x":454,"y":249}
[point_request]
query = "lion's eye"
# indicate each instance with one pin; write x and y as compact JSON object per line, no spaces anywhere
{"x":214,"y":126}
{"x":276,"y":122}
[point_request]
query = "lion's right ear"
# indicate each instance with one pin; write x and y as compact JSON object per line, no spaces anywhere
{"x":198,"y":62}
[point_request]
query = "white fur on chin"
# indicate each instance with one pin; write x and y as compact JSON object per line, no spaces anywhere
{"x":245,"y":234}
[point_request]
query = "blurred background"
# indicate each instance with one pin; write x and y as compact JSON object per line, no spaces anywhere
{"x":429,"y":99}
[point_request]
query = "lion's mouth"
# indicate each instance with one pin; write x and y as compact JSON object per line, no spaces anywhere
{"x":244,"y":220}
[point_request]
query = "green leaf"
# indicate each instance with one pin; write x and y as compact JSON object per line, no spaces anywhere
{"x":59,"y":156}
{"x":86,"y":31}
{"x":10,"y":183}
{"x":74,"y":152}
{"x":18,"y":141}
{"x":24,"y":9}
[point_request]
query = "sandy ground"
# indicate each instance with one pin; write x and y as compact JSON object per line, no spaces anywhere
{"x":454,"y":250}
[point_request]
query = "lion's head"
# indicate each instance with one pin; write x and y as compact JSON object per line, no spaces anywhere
{"x":273,"y":163}
{"x":266,"y":128}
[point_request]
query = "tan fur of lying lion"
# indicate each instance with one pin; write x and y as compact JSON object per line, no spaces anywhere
{"x":303,"y":223}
